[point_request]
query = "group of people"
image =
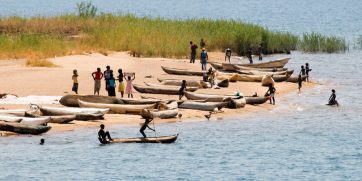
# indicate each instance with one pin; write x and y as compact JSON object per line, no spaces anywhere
{"x":110,"y":82}
{"x":203,"y":56}
{"x":304,"y":71}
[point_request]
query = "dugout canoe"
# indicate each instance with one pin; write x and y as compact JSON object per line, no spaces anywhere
{"x":140,"y":101}
{"x":240,"y":67}
{"x":160,"y":139}
{"x":203,"y":106}
{"x":57,"y":111}
{"x":160,"y":90}
{"x":53,"y":119}
{"x":255,"y":100}
{"x":171,"y":86}
{"x":23,"y":128}
{"x":176,"y":71}
{"x":10,"y":118}
{"x":178,"y":82}
{"x":232,"y":77}
{"x":72,"y":100}
{"x":294,"y":79}
{"x":216,"y":65}
{"x":280,"y":63}
{"x":208,"y":97}
{"x":257,"y":72}
{"x":35,"y":121}
{"x":165,"y":114}
{"x":119,"y":108}
{"x":15,"y":112}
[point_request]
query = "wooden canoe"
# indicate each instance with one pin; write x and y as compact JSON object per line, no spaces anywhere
{"x":166,"y":114}
{"x":176,"y":71}
{"x":237,"y":103}
{"x":161,"y":139}
{"x":203,"y":106}
{"x":72,"y":100}
{"x":294,"y":79}
{"x":171,"y":86}
{"x":160,"y":90}
{"x":208,"y":97}
{"x":271,"y":64}
{"x":140,"y":101}
{"x":232,"y":77}
{"x":23,"y":128}
{"x":256,"y":72}
{"x":16,"y":112}
{"x":255,"y":100}
{"x":55,"y":111}
{"x":240,"y":67}
{"x":10,"y":118}
{"x":119,"y":108}
{"x":53,"y":119}
{"x":178,"y":82}
{"x":216,"y":65}
{"x":35,"y":121}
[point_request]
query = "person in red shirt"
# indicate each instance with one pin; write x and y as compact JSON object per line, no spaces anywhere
{"x":97,"y":76}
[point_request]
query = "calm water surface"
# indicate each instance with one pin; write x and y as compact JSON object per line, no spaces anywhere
{"x":301,"y":139}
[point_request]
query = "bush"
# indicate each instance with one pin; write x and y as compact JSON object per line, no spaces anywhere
{"x":86,"y":9}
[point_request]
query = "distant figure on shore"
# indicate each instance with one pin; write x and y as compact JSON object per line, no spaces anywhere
{"x":145,"y":125}
{"x":97,"y":76}
{"x":249,"y":54}
{"x":193,"y":52}
{"x":42,"y":141}
{"x":260,"y":52}
{"x":300,"y":82}
{"x":111,"y":86}
{"x":271,"y":93}
{"x":227,"y":54}
{"x":307,"y":70}
{"x":202,"y":43}
{"x":204,"y":58}
{"x":302,"y":70}
{"x":129,"y":85}
{"x":75,"y":81}
{"x":107,"y":75}
{"x":120,"y":82}
{"x":103,"y":135}
{"x":182,"y":90}
{"x":332,"y":99}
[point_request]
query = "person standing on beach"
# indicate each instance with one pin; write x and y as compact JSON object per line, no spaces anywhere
{"x":227,"y":54}
{"x":120,"y":82}
{"x":204,"y":57}
{"x":111,"y":86}
{"x":193,"y":52}
{"x":129,"y":85}
{"x":75,"y":81}
{"x":249,"y":55}
{"x":300,"y":82}
{"x":202,"y":43}
{"x":97,"y":77}
{"x":271,"y":92}
{"x":182,"y":90}
{"x":307,"y":70}
{"x":145,"y":125}
{"x":260,"y":52}
{"x":302,"y":70}
{"x":107,"y":75}
{"x":103,"y":135}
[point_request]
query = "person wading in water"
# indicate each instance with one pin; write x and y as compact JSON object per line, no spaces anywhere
{"x":307,"y":70}
{"x":103,"y":135}
{"x":145,"y":125}
{"x":332,"y":99}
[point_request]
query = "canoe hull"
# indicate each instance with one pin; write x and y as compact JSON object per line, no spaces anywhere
{"x":255,"y":100}
{"x":23,"y":128}
{"x":203,"y":106}
{"x":159,"y":90}
{"x":72,"y":100}
{"x":161,"y":139}
{"x":175,"y":71}
{"x":118,"y":108}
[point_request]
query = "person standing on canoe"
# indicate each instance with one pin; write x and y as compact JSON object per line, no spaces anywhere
{"x":182,"y":90}
{"x":302,"y":70}
{"x":107,"y":75}
{"x":332,"y":99}
{"x":111,"y":86}
{"x":103,"y":135}
{"x":193,"y":52}
{"x":300,"y":82}
{"x":227,"y":54}
{"x":145,"y":125}
{"x":260,"y":52}
{"x":120,"y":82}
{"x":307,"y":70}
{"x":75,"y":81}
{"x":97,"y":76}
{"x":271,"y":92}
{"x":204,"y":58}
{"x":249,"y":55}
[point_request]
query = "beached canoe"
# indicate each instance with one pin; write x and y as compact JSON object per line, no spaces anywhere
{"x":232,"y":77}
{"x":240,"y":67}
{"x":267,"y":80}
{"x":294,"y":79}
{"x":255,"y":100}
{"x":271,"y":64}
{"x":176,"y":71}
{"x":237,"y":103}
{"x":23,"y":128}
{"x":140,"y":101}
{"x":216,"y":65}
{"x":160,"y":90}
{"x":161,"y":139}
{"x":165,"y":114}
{"x":57,"y":111}
{"x":72,"y":100}
{"x":10,"y":118}
{"x":188,"y":88}
{"x":204,"y":106}
{"x":35,"y":121}
{"x":16,"y":112}
{"x":119,"y":108}
{"x":178,"y":82}
{"x":208,"y":97}
{"x":223,"y":83}
{"x":53,"y":119}
{"x":256,"y":72}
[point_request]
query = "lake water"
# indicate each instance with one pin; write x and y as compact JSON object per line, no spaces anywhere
{"x":301,"y":139}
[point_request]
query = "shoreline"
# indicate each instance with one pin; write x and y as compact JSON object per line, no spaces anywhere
{"x":57,"y":84}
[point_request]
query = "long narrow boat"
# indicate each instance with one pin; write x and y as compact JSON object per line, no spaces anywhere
{"x":16,"y":112}
{"x":166,"y":114}
{"x":72,"y":100}
{"x":204,"y":106}
{"x":10,"y":118}
{"x":23,"y":128}
{"x":216,"y":65}
{"x":271,"y":64}
{"x":53,"y":119}
{"x":258,"y":78}
{"x":170,"y":86}
{"x":176,"y":71}
{"x":159,"y":90}
{"x":161,"y":139}
{"x":240,"y":67}
{"x":35,"y":121}
{"x":255,"y":100}
{"x":256,"y":72}
{"x":55,"y":111}
{"x":208,"y":97}
{"x":119,"y":108}
{"x":178,"y":82}
{"x":140,"y":101}
{"x":294,"y":79}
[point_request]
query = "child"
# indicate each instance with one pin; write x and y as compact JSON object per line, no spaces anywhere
{"x":182,"y":90}
{"x":300,"y":82}
{"x":75,"y":81}
{"x":129,"y":85}
{"x":271,"y":92}
{"x":307,"y":70}
{"x":302,"y":70}
{"x":111,"y":85}
{"x":121,"y":83}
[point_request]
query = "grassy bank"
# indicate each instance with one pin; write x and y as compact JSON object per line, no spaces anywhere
{"x":40,"y":37}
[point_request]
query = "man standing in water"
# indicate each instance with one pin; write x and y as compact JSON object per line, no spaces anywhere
{"x":227,"y":54}
{"x":307,"y":70}
{"x":145,"y":125}
{"x":193,"y":52}
{"x":103,"y":135}
{"x":332,"y":99}
{"x":97,"y":76}
{"x":249,"y":55}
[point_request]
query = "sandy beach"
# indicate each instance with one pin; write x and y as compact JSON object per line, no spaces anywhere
{"x":24,"y":81}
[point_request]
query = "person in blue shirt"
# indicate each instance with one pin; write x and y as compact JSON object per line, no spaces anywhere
{"x":111,"y":85}
{"x":204,"y":58}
